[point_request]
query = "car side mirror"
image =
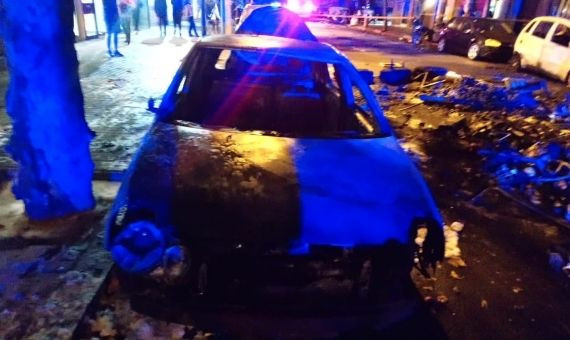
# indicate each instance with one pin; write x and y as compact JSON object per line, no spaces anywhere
{"x":367,"y":76}
{"x":152,"y":105}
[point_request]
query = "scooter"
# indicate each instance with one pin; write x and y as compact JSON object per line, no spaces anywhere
{"x":420,"y":33}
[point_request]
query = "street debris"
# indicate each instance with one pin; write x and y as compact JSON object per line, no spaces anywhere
{"x":395,"y":74}
{"x":516,"y":125}
{"x":559,"y":259}
{"x":455,"y":276}
{"x":484,"y":304}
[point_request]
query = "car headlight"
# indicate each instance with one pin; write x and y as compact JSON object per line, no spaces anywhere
{"x":492,"y":43}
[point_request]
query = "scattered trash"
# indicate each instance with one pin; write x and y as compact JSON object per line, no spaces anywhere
{"x":395,"y":75}
{"x":562,"y":111}
{"x":540,"y":173}
{"x":450,"y":88}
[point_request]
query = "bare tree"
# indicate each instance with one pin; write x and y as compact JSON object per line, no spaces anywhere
{"x":50,"y":137}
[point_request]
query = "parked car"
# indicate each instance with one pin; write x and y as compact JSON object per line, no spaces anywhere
{"x":544,"y":45}
{"x":477,"y":38}
{"x":259,"y":174}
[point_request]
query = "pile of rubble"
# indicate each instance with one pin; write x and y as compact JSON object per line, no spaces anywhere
{"x":520,"y":129}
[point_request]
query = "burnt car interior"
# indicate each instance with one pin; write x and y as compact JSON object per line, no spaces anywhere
{"x":253,"y":90}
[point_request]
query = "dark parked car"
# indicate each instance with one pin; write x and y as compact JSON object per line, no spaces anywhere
{"x":478,"y":38}
{"x":270,"y":169}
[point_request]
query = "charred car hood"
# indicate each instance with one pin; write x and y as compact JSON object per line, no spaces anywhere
{"x":202,"y":185}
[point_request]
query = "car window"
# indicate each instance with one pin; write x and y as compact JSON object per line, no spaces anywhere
{"x":256,"y":90}
{"x":465,"y":25}
{"x":487,"y":25}
{"x":561,"y":35}
{"x":362,"y":111}
{"x":541,"y":30}
{"x":530,"y":26}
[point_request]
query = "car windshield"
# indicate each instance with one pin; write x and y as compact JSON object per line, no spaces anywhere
{"x":494,"y":26}
{"x":255,"y":90}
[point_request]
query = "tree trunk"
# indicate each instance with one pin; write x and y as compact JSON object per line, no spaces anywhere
{"x":50,"y":138}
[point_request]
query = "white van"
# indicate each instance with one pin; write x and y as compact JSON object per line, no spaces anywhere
{"x":544,"y":45}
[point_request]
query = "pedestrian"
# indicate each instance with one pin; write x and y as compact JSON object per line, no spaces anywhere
{"x":113,"y":27}
{"x":215,"y":18}
{"x":125,"y":10}
{"x":189,"y":13}
{"x":177,"y":6}
{"x":160,"y":10}
{"x":137,"y":14}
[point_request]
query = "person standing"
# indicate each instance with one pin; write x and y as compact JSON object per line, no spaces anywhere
{"x":125,"y":9}
{"x":137,"y":14}
{"x":113,"y":27}
{"x":177,"y":6}
{"x":160,"y":10}
{"x":215,"y":18}
{"x":189,"y":13}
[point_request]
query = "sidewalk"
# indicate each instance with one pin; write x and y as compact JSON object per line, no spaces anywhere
{"x":116,"y":92}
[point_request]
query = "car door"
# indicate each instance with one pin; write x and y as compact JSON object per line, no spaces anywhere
{"x":451,"y":33}
{"x":555,"y":56}
{"x":465,"y":35}
{"x":534,"y":43}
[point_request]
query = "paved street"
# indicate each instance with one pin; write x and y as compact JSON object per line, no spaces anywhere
{"x":506,"y":291}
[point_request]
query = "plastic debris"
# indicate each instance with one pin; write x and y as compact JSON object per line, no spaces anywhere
{"x":541,"y":174}
{"x":395,"y":75}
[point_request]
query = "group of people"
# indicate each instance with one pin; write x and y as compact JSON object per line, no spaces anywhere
{"x":118,"y":16}
{"x":180,"y":9}
{"x":120,"y":13}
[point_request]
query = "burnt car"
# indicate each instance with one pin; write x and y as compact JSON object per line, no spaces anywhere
{"x":478,"y":38}
{"x":270,"y":168}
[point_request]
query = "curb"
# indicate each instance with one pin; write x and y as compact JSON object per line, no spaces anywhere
{"x":7,"y":174}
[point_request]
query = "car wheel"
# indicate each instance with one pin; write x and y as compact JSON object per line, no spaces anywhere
{"x":441,"y":45}
{"x":473,"y":52}
{"x":389,"y":274}
{"x":515,"y":62}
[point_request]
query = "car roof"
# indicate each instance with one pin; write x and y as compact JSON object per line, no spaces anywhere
{"x":302,"y":49}
{"x":552,"y":19}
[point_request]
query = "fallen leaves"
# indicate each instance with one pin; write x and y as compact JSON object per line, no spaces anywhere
{"x":517,"y":289}
{"x":104,"y":324}
{"x":457,"y":262}
{"x":456,"y":276}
